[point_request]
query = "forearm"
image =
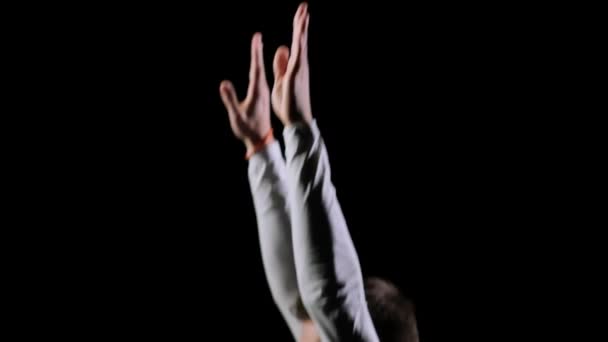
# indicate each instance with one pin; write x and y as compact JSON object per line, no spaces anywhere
{"x":328,"y":270}
{"x":267,"y":179}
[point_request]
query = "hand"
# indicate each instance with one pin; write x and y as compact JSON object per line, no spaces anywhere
{"x":291,"y":91}
{"x":250,"y":119}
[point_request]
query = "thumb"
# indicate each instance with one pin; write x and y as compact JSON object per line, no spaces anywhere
{"x":281,"y":58}
{"x":229,"y":98}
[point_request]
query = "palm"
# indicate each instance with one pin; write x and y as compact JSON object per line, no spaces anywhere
{"x":250,"y":118}
{"x":291,"y":94}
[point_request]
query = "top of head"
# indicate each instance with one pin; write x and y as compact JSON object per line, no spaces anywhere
{"x":392,"y":313}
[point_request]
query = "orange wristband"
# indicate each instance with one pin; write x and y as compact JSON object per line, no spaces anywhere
{"x":268,"y":138}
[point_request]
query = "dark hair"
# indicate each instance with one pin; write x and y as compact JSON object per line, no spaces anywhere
{"x":392,"y":313}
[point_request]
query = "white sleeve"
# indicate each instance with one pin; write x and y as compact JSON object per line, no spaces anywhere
{"x":267,"y":179}
{"x":329,"y":274}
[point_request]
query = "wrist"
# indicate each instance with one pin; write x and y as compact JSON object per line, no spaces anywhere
{"x":296,"y":116}
{"x":255,"y":146}
{"x":305,"y":120}
{"x":249,"y":145}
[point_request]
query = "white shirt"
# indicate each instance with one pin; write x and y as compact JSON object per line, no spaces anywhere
{"x":307,"y":251}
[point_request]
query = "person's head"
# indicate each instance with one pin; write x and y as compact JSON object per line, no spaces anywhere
{"x":393,"y":314}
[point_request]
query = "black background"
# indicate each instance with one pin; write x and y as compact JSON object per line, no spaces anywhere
{"x":145,"y":191}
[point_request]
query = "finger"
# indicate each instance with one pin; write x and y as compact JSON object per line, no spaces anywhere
{"x":256,"y":70}
{"x":253,"y":68}
{"x":298,"y":28}
{"x":305,"y":36}
{"x":260,"y":61}
{"x":279,"y":66}
{"x":229,"y":98}
{"x":301,"y":10}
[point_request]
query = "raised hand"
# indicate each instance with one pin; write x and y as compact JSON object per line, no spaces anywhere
{"x":291,"y":91}
{"x":250,"y":118}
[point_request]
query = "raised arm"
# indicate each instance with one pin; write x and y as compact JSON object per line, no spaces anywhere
{"x":267,"y":178}
{"x":250,"y":122}
{"x":328,"y":271}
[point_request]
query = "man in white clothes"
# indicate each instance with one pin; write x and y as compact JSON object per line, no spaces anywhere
{"x":309,"y":258}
